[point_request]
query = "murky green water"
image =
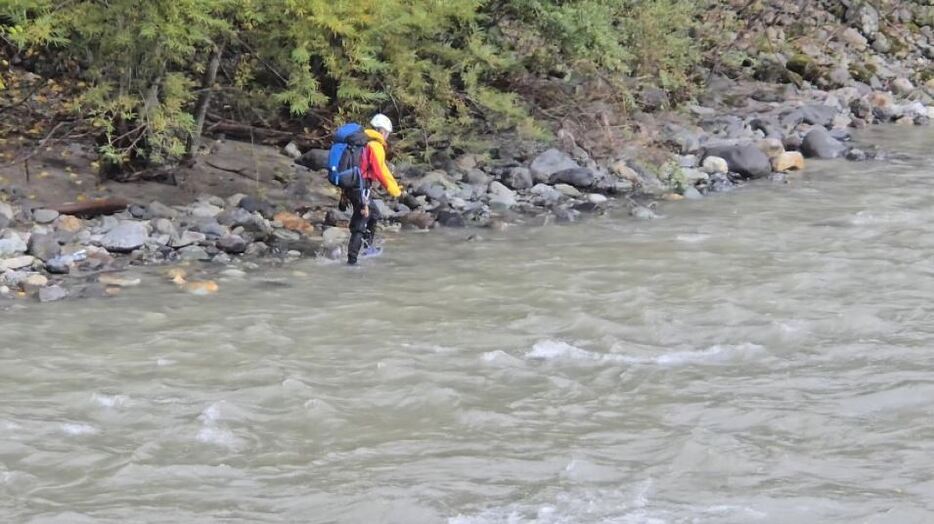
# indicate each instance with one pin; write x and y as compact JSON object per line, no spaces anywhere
{"x":760,"y":356}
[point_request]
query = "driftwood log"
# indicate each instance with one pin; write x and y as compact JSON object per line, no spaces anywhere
{"x":93,"y":208}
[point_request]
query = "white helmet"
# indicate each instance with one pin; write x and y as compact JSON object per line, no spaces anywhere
{"x":383,"y":122}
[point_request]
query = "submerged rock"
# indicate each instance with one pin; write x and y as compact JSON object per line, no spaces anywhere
{"x":746,"y":160}
{"x":52,"y":294}
{"x":819,"y":144}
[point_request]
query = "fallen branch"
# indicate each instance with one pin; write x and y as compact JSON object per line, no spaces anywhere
{"x":93,"y":208}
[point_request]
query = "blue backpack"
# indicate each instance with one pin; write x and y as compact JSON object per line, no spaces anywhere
{"x":344,"y":156}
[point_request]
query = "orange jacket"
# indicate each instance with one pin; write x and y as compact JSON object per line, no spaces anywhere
{"x":373,"y":163}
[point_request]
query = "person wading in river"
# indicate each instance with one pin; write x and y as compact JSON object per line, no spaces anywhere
{"x":372,"y":164}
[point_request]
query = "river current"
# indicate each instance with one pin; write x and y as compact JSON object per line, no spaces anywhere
{"x":764,"y":355}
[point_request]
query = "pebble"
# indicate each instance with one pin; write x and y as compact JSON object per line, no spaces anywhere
{"x":568,"y":190}
{"x":44,"y":216}
{"x":69,"y":224}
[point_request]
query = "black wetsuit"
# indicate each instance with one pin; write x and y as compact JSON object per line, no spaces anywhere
{"x":362,"y":228}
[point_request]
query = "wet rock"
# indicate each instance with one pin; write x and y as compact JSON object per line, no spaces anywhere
{"x":819,"y":144}
{"x":792,"y":142}
{"x":856,"y":155}
{"x":382,"y":208}
{"x":788,"y":161}
{"x":715,"y":164}
{"x":20,"y":262}
{"x":720,"y":183}
{"x":640,"y":212}
{"x":126,"y":237}
{"x":257,"y":205}
{"x":579,"y":177}
{"x":194,"y":253}
{"x":187,"y":238}
{"x":160,"y":210}
{"x":335,"y":237}
{"x":451,"y":219}
{"x":550,"y":162}
{"x":597,"y":199}
{"x":52,"y":294}
{"x":44,"y":247}
{"x":223,"y":258}
{"x":691,"y":193}
{"x":518,"y":178}
{"x":746,"y":160}
{"x":770,"y":127}
{"x":232,"y":244}
{"x":683,"y":140}
{"x":565,"y":215}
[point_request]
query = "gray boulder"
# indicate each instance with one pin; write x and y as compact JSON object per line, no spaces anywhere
{"x":314,"y":159}
{"x":43,"y":247}
{"x":518,"y":178}
{"x":818,"y":115}
{"x":126,"y":237}
{"x":549,"y":163}
{"x":746,"y":160}
{"x":232,"y":244}
{"x":453,"y":219}
{"x":819,"y":144}
{"x":6,"y":211}
{"x":577,"y":177}
{"x":253,"y":205}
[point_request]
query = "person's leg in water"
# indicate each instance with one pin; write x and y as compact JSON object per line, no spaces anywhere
{"x":358,"y":225}
{"x":371,"y":224}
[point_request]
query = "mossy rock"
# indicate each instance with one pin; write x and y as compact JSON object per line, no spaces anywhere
{"x":806,"y":67}
{"x":863,"y":72}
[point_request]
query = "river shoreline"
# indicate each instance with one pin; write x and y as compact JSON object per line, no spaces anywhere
{"x":53,"y":256}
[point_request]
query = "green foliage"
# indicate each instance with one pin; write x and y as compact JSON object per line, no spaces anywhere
{"x":442,"y":68}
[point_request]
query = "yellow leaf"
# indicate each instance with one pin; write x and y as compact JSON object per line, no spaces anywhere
{"x":81,"y":198}
{"x":44,"y":174}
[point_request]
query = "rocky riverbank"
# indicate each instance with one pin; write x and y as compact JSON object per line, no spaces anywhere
{"x":803,"y":106}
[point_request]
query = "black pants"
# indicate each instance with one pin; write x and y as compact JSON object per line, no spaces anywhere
{"x":361,"y":227}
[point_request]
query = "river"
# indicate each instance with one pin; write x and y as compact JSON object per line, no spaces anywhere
{"x":764,"y":355}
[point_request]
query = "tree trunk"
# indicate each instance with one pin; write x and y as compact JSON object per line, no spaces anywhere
{"x":204,"y":100}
